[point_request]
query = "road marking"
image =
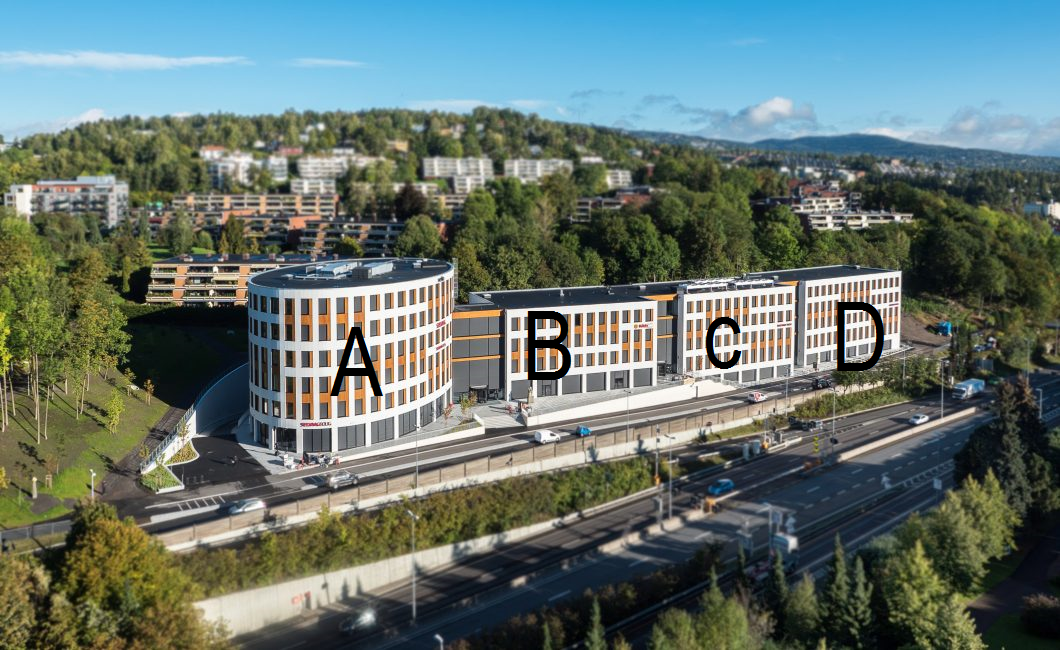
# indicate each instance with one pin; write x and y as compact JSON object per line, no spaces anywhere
{"x":858,"y":484}
{"x":559,"y":595}
{"x":857,"y":470}
{"x":825,"y":499}
{"x":640,"y":561}
{"x":701,"y":535}
{"x":898,"y":454}
{"x":813,"y":489}
{"x":840,"y":492}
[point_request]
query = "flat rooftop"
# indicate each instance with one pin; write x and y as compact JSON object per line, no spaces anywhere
{"x":332,"y":274}
{"x":820,"y":273}
{"x":556,"y":297}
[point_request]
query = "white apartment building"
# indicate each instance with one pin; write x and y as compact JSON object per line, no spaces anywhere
{"x":277,"y":168}
{"x":104,"y":196}
{"x":439,"y":167}
{"x":617,"y":178}
{"x":530,"y":170}
{"x":853,"y":220}
{"x":322,"y":167}
{"x":312,"y":186}
{"x":235,"y":166}
{"x":426,"y":189}
{"x":1050,"y":209}
{"x":591,"y":160}
{"x":468,"y":184}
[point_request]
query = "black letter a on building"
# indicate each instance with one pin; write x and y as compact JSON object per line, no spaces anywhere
{"x":367,"y":371}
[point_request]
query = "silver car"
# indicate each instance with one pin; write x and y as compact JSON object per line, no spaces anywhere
{"x":246,"y":505}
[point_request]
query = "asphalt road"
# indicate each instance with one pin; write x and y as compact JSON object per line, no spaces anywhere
{"x":203,"y":503}
{"x":809,"y":499}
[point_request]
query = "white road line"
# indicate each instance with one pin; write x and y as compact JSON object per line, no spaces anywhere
{"x":640,"y":561}
{"x":840,"y":492}
{"x":858,"y":484}
{"x":825,"y":499}
{"x":898,"y":454}
{"x":700,"y":536}
{"x":857,"y":470}
{"x":813,"y":489}
{"x":559,"y":595}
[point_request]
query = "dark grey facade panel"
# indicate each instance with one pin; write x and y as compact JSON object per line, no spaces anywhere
{"x":665,"y":326}
{"x":546,"y":388}
{"x":494,"y":345}
{"x":461,"y":377}
{"x":496,"y":377}
{"x":665,"y":351}
{"x":407,"y":422}
{"x":595,"y":381}
{"x":351,"y":437}
{"x":520,"y":388}
{"x":732,"y":376}
{"x":316,"y":439}
{"x":479,"y":377}
{"x":765,"y":373}
{"x":572,"y":384}
{"x":642,"y":377}
{"x":382,"y":430}
{"x":479,"y":326}
{"x":748,"y":376}
{"x":478,"y":348}
{"x":619,"y":379}
{"x":461,"y":349}
{"x":461,"y":327}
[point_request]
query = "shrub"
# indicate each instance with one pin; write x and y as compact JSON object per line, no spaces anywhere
{"x":1041,"y":615}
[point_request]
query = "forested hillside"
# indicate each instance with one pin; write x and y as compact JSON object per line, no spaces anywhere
{"x":969,"y":243}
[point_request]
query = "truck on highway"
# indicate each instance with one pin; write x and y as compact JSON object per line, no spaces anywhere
{"x":968,"y":388}
{"x":787,"y":546}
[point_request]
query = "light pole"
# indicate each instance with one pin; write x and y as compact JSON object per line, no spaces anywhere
{"x":440,"y":640}
{"x":657,"y":481}
{"x":1039,"y":403}
{"x":414,"y":518}
{"x":904,"y":355}
{"x":670,"y":464}
{"x":92,"y":484}
{"x":942,"y":388}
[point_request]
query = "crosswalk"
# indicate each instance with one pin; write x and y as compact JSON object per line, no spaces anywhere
{"x":201,"y":502}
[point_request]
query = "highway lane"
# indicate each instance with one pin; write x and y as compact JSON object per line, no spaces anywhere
{"x":498,"y":568}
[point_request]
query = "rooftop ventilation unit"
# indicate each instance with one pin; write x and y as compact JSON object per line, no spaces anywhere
{"x":371,"y":270}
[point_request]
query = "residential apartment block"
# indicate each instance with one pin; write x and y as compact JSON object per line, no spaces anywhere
{"x":312,"y":186}
{"x":532,"y":170}
{"x":429,"y":351}
{"x":212,"y":280}
{"x":1050,"y":210}
{"x":375,"y":237}
{"x":103,"y":196}
{"x":324,"y":205}
{"x":439,"y":167}
{"x":617,"y":178}
{"x":468,"y":184}
{"x":852,"y":220}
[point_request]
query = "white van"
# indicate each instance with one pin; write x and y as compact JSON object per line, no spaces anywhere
{"x":545,"y":436}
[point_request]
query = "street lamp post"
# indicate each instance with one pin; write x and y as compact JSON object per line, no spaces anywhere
{"x":942,"y":388}
{"x":1040,"y":403}
{"x":833,"y":413}
{"x":670,"y":464}
{"x":414,"y":518}
{"x":92,"y":484}
{"x":440,"y":640}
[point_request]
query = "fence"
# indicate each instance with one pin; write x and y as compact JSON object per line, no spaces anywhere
{"x":188,"y":422}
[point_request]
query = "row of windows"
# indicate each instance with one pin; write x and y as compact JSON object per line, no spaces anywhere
{"x":266,"y":330}
{"x":746,"y":302}
{"x":827,"y":306}
{"x":852,"y":334}
{"x":592,"y":319}
{"x":747,"y":357}
{"x":726,"y":340}
{"x":442,"y":290}
{"x":844,"y":288}
{"x":744,"y":320}
{"x":592,"y":339}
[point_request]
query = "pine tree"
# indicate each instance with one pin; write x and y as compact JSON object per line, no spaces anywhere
{"x":836,"y":595}
{"x":775,"y":596}
{"x":594,"y":639}
{"x":742,"y":587}
{"x":858,"y":616}
{"x":546,"y":643}
{"x":954,"y":628}
{"x":801,"y":613}
{"x":913,"y":593}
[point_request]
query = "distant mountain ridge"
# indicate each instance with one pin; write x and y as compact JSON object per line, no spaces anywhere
{"x":874,"y":145}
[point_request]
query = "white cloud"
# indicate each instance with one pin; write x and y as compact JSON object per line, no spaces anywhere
{"x":985,"y":127}
{"x":311,"y":62}
{"x":453,"y":105}
{"x":53,"y":126}
{"x":562,"y":110}
{"x":529,"y":104}
{"x":112,"y":60}
{"x":774,"y":117}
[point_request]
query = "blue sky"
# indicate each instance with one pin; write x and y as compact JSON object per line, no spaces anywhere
{"x":962,"y":73}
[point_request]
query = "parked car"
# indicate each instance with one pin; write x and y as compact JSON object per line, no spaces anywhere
{"x":822,"y":382}
{"x":545,"y":436}
{"x":583,"y":431}
{"x":721,"y":486}
{"x":756,"y":397}
{"x":246,"y":505}
{"x":342,"y":478}
{"x":919,"y":418}
{"x":363,"y":621}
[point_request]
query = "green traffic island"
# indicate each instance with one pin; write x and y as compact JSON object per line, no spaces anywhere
{"x":186,"y":454}
{"x":159,"y":479}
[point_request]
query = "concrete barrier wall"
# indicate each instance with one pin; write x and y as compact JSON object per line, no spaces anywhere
{"x":908,"y":433}
{"x":678,"y":393}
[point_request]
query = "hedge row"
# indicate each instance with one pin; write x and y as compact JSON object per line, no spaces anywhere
{"x":332,"y":542}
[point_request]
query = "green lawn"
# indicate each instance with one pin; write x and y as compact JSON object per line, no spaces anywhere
{"x":1008,"y":634}
{"x":996,"y":572}
{"x":74,"y":447}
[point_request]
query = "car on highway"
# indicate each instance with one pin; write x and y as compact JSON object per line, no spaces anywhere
{"x":822,"y":382}
{"x":583,"y":431}
{"x":720,"y":487}
{"x":363,"y":621}
{"x":245,"y":505}
{"x":756,"y":397}
{"x":342,"y":478}
{"x":919,"y":418}
{"x":544,"y":436}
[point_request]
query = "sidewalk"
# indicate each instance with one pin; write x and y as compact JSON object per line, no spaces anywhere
{"x":1030,"y":577}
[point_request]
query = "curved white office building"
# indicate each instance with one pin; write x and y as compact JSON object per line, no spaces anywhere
{"x":299,"y":320}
